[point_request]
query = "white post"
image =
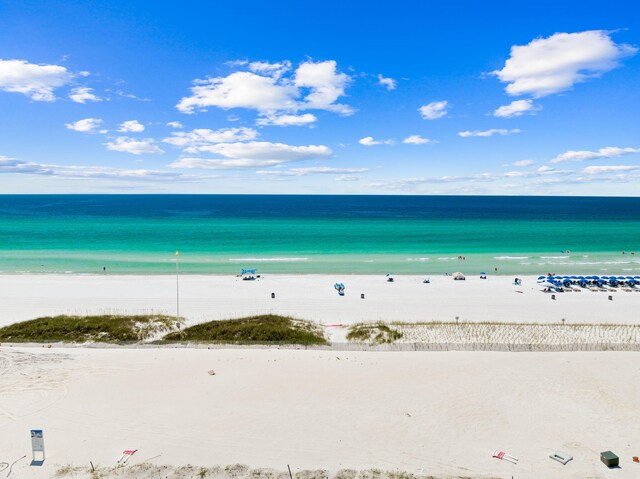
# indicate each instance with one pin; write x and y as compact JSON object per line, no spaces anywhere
{"x":177,"y":289}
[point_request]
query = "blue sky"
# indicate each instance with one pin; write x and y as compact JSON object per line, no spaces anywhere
{"x":345,"y":97}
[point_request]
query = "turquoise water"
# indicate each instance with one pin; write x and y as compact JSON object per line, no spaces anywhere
{"x":318,"y":234}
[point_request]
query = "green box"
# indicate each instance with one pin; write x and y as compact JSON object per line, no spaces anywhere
{"x":609,"y":459}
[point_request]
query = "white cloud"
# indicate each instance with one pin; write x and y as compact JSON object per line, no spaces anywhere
{"x":485,"y":133}
{"x":554,"y":64}
{"x":240,"y":90}
{"x":416,"y":140}
{"x":595,"y":170}
{"x":133,"y":146}
{"x":388,"y":83}
{"x":265,"y":88}
{"x":608,"y":152}
{"x":434,"y":110}
{"x":326,"y":84}
{"x":287,"y":120}
{"x":131,"y":126}
{"x":516,"y":108}
{"x":83,"y":94}
{"x":312,"y":170}
{"x":409,"y":183}
{"x":174,"y":124}
{"x":252,"y":154}
{"x":10,"y":165}
{"x":88,"y":125}
{"x":196,"y":140}
{"x":369,"y":141}
{"x":348,"y":178}
{"x":275,"y":70}
{"x":38,"y":82}
{"x":523,"y":163}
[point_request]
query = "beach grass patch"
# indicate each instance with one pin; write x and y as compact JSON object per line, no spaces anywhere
{"x":82,"y":329}
{"x":376,"y":333}
{"x":265,"y":329}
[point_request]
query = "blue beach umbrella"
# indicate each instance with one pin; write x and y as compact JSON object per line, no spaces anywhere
{"x":541,"y":277}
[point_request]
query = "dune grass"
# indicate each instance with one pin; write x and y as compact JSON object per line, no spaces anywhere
{"x":264,"y":329}
{"x":82,"y":329}
{"x":376,"y":333}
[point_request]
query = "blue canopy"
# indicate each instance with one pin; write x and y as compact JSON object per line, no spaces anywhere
{"x":248,"y":271}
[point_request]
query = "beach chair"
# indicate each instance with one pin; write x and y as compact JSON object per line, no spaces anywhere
{"x":126,"y":455}
{"x":505,"y":457}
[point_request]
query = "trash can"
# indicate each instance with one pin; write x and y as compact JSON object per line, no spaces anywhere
{"x":362,"y":296}
{"x":609,"y":459}
{"x":273,"y":295}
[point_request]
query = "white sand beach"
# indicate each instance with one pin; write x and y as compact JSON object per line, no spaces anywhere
{"x":441,"y":414}
{"x":426,"y":413}
{"x":312,"y":297}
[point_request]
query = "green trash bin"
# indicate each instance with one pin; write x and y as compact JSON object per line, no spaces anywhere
{"x":609,"y":459}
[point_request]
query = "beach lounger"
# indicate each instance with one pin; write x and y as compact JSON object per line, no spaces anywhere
{"x":505,"y":457}
{"x":126,"y":455}
{"x":561,"y":457}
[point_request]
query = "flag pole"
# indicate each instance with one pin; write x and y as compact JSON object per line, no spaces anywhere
{"x":177,"y":289}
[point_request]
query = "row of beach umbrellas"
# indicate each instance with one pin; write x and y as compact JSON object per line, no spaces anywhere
{"x":566,"y":281}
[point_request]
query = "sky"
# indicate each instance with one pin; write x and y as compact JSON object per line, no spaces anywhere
{"x":340,"y":98}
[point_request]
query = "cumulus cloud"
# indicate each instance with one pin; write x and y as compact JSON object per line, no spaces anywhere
{"x":275,"y":70}
{"x":326,"y":85}
{"x":272,"y":89}
{"x":416,"y":140}
{"x":485,"y":133}
{"x":434,"y":110}
{"x":516,"y":108}
{"x":287,"y":120}
{"x":596,"y":170}
{"x":38,"y":82}
{"x":583,"y":155}
{"x":88,"y":125}
{"x":11,"y":165}
{"x":83,"y":94}
{"x":252,"y":154}
{"x":556,"y":63}
{"x":131,"y":126}
{"x":134,"y":146}
{"x":388,"y":83}
{"x":174,"y":124}
{"x":200,"y":138}
{"x":369,"y":141}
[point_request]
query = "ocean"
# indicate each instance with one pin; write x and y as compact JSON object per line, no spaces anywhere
{"x":222,"y":234}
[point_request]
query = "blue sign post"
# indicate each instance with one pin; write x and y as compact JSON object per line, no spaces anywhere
{"x":37,"y":443}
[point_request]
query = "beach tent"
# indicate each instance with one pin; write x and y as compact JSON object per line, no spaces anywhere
{"x":458,"y":276}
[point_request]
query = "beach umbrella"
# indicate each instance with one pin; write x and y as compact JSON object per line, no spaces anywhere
{"x":541,"y":277}
{"x":482,"y":272}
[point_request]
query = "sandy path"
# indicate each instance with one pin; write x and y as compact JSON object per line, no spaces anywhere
{"x":444,"y":412}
